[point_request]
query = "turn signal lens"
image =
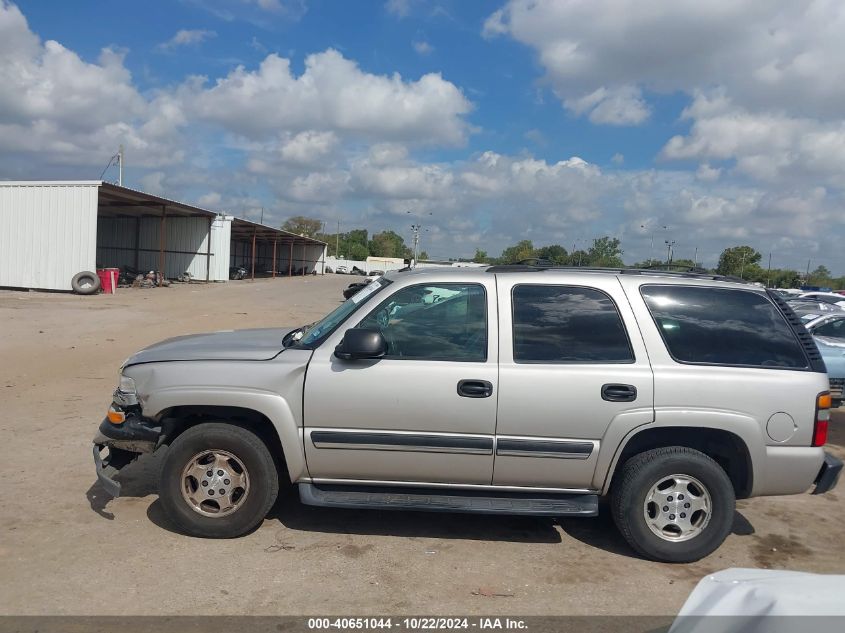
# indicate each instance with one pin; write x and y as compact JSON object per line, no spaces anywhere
{"x":820,"y":426}
{"x":115,"y":416}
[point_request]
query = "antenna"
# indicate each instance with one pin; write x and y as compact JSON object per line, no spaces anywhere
{"x":120,"y":165}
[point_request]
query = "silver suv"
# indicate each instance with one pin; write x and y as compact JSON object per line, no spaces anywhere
{"x":500,"y":390}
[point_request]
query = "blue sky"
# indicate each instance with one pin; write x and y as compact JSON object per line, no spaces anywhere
{"x":496,"y":121}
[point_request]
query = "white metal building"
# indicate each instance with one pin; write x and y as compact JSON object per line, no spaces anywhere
{"x":50,"y":231}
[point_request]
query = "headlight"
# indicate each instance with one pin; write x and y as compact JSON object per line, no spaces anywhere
{"x":127,"y":385}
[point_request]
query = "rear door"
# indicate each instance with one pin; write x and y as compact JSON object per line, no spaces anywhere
{"x":571,"y":362}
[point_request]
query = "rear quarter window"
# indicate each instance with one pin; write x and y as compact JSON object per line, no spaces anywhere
{"x":723,"y":326}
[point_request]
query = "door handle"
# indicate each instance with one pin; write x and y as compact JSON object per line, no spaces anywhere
{"x":475,"y":388}
{"x":618,"y":393}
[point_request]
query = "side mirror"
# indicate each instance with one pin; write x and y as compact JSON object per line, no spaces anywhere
{"x":361,"y":343}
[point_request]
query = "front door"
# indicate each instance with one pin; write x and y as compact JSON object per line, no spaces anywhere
{"x":426,"y":412}
{"x":571,"y":363}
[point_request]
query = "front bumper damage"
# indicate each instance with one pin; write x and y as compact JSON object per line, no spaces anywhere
{"x":124,"y":443}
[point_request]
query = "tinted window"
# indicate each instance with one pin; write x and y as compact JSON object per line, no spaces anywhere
{"x":832,"y":329}
{"x":722,"y":326}
{"x":434,"y":321}
{"x":567,"y":324}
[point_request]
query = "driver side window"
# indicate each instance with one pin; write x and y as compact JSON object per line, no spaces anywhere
{"x":433,"y":322}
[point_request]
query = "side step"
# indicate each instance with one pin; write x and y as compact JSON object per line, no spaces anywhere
{"x":436,"y":500}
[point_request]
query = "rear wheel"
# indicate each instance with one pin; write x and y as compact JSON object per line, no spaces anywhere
{"x":218,"y":481}
{"x":673,"y":504}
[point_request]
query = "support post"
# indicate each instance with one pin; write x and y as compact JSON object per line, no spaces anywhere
{"x":304,"y":265}
{"x":137,"y":242}
{"x":208,"y":252}
{"x":275,"y":240}
{"x":253,"y":254}
{"x":162,"y":240}
{"x":290,"y":261}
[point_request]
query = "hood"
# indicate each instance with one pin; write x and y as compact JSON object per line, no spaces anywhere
{"x":257,"y":344}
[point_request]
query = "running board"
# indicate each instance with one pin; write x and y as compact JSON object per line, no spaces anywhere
{"x":434,"y":500}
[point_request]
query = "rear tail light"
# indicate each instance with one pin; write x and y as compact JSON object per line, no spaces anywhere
{"x":823,"y":402}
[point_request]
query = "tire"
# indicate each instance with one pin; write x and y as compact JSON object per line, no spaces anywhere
{"x":227,"y":448}
{"x":85,"y":283}
{"x":677,"y":472}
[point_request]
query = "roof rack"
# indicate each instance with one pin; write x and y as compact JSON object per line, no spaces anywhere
{"x":688,"y":271}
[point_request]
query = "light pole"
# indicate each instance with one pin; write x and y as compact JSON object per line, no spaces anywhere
{"x":669,"y":245}
{"x":653,"y":231}
{"x":415,"y":229}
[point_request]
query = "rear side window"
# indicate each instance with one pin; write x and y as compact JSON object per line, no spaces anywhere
{"x":723,"y":326}
{"x":567,"y":324}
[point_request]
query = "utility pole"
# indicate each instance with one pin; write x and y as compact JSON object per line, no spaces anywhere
{"x":262,"y":215}
{"x":742,"y":266}
{"x":337,"y":242}
{"x":769,"y":273}
{"x":120,"y":165}
{"x":695,"y":258}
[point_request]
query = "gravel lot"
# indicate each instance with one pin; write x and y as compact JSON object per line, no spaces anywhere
{"x":65,"y":549}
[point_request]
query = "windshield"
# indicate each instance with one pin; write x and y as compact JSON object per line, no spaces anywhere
{"x":325,"y":326}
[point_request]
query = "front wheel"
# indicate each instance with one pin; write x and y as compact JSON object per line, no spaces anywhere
{"x":673,"y":504}
{"x":218,"y":481}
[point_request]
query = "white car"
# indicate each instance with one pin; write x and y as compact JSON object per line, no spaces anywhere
{"x":827,"y":297}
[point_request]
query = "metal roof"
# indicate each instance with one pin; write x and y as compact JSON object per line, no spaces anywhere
{"x":115,"y":200}
{"x":244,"y":230}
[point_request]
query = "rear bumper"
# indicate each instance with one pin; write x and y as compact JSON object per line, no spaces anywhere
{"x":828,"y":475}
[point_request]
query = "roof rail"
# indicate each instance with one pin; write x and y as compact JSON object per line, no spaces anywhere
{"x":687,"y":272}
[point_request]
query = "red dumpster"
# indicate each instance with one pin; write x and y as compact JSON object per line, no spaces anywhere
{"x":108,"y":279}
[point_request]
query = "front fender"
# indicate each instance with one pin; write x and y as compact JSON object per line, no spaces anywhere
{"x":271,"y":405}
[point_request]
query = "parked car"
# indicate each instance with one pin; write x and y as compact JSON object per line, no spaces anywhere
{"x":833,"y":298}
{"x":525,"y":391}
{"x":342,"y":270}
{"x":829,"y":333}
{"x":375,"y":273}
{"x":809,"y":309}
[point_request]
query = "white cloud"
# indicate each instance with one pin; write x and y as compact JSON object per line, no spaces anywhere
{"x":762,"y":51}
{"x":422,"y":47}
{"x":619,"y":106}
{"x":618,"y":159}
{"x":769,"y":146}
{"x":334,"y":93}
{"x":186,"y":37}
{"x":398,"y":8}
{"x":706,"y":173}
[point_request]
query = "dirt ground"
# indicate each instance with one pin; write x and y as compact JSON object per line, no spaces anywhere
{"x":66,"y":549}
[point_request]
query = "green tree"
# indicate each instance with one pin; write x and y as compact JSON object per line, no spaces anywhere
{"x":739,"y":261}
{"x":388,"y":244}
{"x":422,"y":257}
{"x":555,"y":253}
{"x":518,"y":252}
{"x":819,"y":277}
{"x":480,"y":256}
{"x":302,"y":225}
{"x":605,"y":251}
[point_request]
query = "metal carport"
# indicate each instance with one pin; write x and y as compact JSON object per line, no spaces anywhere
{"x":267,"y":252}
{"x":147,"y":232}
